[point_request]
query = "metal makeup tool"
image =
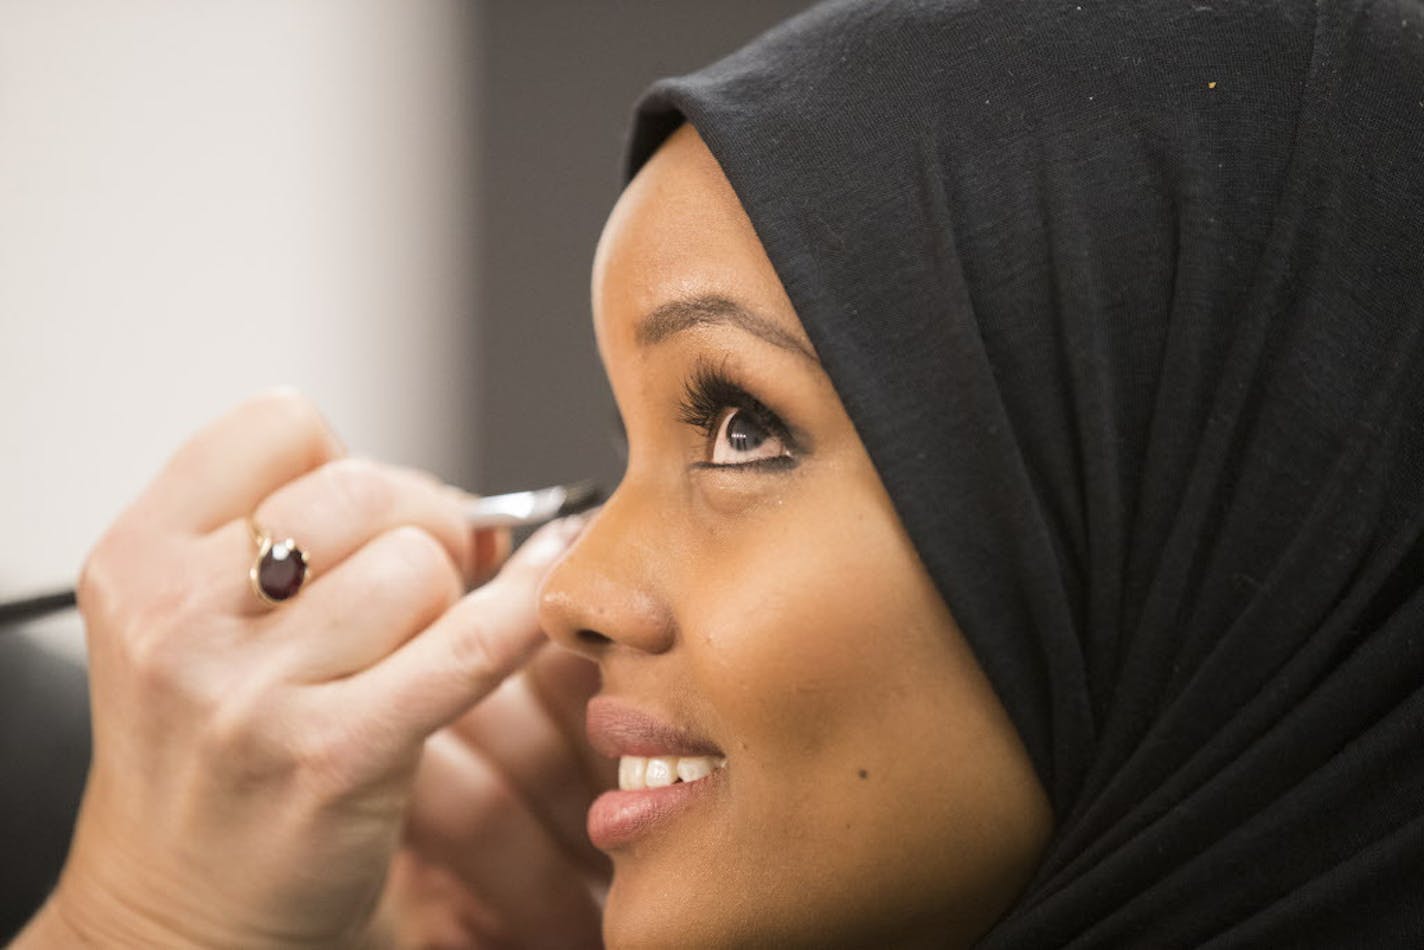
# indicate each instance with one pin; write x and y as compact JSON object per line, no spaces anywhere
{"x":512,"y":510}
{"x":521,"y":508}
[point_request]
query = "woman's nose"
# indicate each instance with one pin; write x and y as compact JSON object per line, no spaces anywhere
{"x":604,"y":591}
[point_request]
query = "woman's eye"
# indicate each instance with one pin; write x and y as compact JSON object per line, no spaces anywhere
{"x":741,"y":439}
{"x":738,"y":431}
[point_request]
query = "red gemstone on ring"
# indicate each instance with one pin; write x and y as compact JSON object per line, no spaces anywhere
{"x":282,"y":570}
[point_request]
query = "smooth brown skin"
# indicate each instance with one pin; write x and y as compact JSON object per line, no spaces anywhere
{"x":877,"y":793}
{"x":257,"y":772}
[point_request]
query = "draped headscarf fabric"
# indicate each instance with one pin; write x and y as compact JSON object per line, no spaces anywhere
{"x":1125,"y":300}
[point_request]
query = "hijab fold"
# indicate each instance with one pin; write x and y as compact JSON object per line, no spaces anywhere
{"x":1125,"y":300}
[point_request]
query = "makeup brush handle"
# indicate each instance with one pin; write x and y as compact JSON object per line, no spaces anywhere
{"x":14,"y":612}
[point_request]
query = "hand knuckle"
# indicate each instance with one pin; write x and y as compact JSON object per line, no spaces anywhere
{"x":107,"y":577}
{"x":416,"y":545}
{"x":297,"y":419}
{"x":423,"y":560}
{"x":97,"y":589}
{"x":228,"y":730}
{"x":253,"y":737}
{"x":323,"y":759}
{"x":156,"y":662}
{"x":473,"y":655}
{"x":334,"y":757}
{"x":240,"y":744}
{"x":142,"y":616}
{"x":361,"y":486}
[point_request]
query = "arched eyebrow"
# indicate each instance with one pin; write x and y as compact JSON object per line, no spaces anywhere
{"x":683,"y":314}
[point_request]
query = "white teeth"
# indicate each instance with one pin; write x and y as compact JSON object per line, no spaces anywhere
{"x":690,"y":770}
{"x":636,"y":771}
{"x":661,"y":772}
{"x":631,"y":769}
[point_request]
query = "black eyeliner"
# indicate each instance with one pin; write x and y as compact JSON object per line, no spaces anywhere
{"x":778,"y":463}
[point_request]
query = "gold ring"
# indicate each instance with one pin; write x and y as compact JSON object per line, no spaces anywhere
{"x":280,"y":568}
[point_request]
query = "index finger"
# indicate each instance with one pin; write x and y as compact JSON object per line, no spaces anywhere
{"x":231,"y":464}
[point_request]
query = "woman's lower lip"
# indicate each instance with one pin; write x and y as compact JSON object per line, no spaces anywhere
{"x":618,"y":818}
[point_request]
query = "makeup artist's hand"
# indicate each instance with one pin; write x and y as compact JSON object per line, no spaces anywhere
{"x":496,"y":854}
{"x":253,"y":765}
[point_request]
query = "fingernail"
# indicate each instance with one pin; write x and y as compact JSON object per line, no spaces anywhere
{"x":571,"y":526}
{"x":551,"y":541}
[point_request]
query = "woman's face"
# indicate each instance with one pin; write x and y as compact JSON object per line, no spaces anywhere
{"x":750,"y":596}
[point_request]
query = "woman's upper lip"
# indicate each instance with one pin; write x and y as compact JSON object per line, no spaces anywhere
{"x":616,"y":728}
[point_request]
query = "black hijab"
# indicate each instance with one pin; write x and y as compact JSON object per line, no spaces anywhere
{"x":1125,"y":300}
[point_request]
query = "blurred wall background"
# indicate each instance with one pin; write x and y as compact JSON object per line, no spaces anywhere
{"x":202,"y":199}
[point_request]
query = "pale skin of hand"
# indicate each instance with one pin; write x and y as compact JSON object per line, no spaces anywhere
{"x":271,"y":777}
{"x":495,"y":853}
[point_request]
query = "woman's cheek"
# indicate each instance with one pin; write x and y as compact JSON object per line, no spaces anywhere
{"x":797,"y":617}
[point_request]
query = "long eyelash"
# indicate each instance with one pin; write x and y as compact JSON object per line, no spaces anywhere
{"x":710,"y":390}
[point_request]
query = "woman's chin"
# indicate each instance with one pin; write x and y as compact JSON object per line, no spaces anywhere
{"x":641,"y":910}
{"x":654,"y":904}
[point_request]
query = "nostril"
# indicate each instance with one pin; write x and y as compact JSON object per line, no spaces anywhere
{"x":592,"y":638}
